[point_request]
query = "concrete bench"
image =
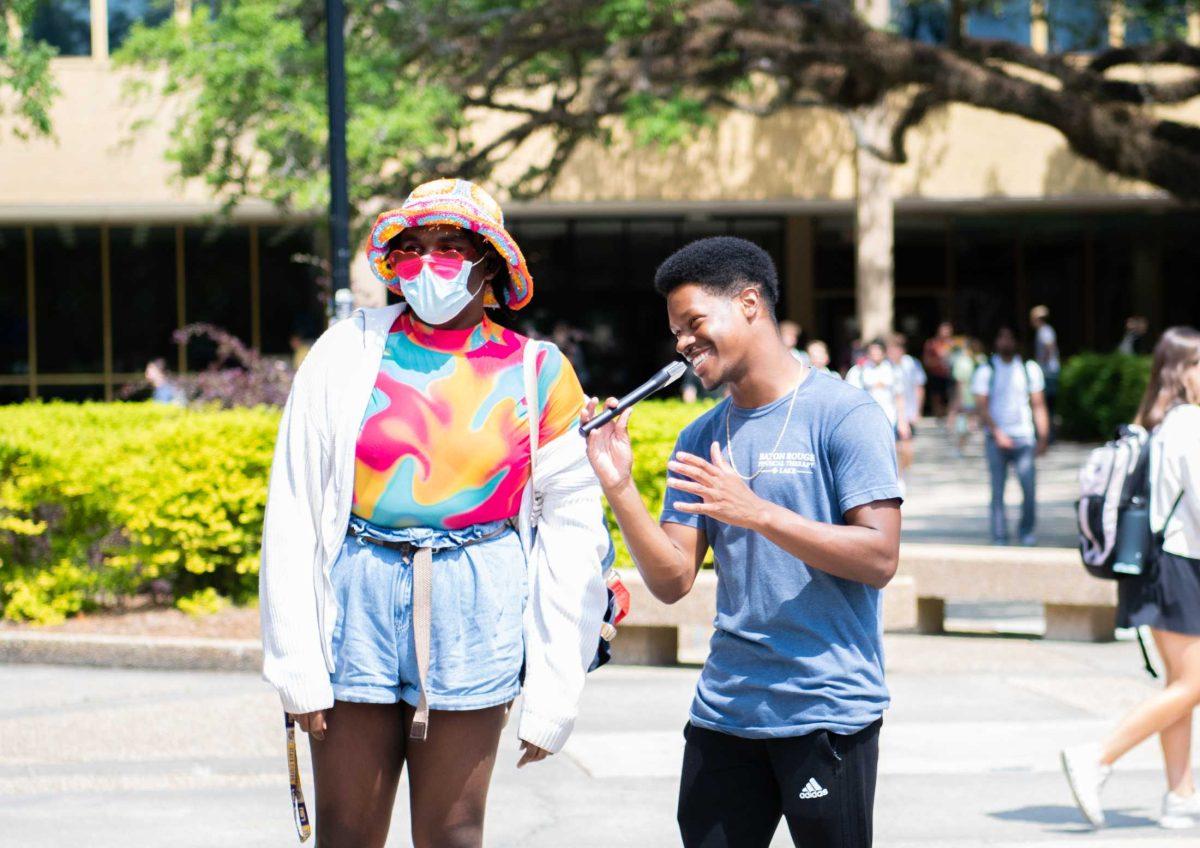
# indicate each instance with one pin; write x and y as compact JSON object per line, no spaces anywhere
{"x":649,"y":635}
{"x":1077,"y":607}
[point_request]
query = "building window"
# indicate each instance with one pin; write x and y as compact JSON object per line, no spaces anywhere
{"x":73,"y":393}
{"x":123,"y":14}
{"x":986,"y":272}
{"x":1054,"y":264}
{"x":1077,"y":25}
{"x":834,"y":254}
{"x":922,"y":20}
{"x":217,"y":269}
{"x":64,"y":24}
{"x":70,"y":319}
{"x":290,"y":308}
{"x":597,"y":261}
{"x":922,"y":292}
{"x":1008,"y":21}
{"x":14,"y":310}
{"x":1181,"y":289}
{"x":142,"y":270}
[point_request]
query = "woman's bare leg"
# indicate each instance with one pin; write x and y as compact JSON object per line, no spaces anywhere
{"x":1163,"y":711}
{"x":1176,"y":739}
{"x":356,"y":769}
{"x":449,"y":773}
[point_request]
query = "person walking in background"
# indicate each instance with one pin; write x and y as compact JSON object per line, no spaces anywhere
{"x":1168,"y":600}
{"x":1045,"y":346}
{"x":884,"y":382}
{"x":818,"y":358}
{"x":789,"y":332}
{"x":165,"y":389}
{"x":1134,"y":341}
{"x":936,"y":358}
{"x":968,"y":356}
{"x":913,"y":377}
{"x":856,"y":353}
{"x":1010,"y":398}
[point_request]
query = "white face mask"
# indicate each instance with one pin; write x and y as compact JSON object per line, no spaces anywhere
{"x":436,"y":300}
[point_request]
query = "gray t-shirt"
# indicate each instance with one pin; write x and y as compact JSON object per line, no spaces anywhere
{"x":796,"y":649}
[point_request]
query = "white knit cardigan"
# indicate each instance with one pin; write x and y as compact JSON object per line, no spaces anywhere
{"x":308,"y":508}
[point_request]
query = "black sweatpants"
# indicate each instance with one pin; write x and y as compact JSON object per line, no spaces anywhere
{"x":733,"y":791}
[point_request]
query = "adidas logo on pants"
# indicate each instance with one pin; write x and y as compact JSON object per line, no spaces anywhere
{"x":812,"y":789}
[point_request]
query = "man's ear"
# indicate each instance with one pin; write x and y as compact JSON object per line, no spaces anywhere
{"x":752,"y":302}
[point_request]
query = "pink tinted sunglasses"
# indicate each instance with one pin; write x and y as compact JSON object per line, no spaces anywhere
{"x":407,"y":264}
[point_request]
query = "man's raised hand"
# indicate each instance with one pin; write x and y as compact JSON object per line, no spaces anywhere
{"x":608,"y":447}
{"x":724,"y":495}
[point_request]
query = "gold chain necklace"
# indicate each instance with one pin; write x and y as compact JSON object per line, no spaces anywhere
{"x":778,"y":442}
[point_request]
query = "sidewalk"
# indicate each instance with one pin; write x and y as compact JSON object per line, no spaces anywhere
{"x":141,"y":759}
{"x":948,"y":495}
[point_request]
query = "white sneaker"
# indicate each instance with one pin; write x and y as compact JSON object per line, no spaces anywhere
{"x":1180,"y":812}
{"x":1086,"y":776}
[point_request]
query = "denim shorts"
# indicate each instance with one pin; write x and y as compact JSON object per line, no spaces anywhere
{"x":476,"y":645}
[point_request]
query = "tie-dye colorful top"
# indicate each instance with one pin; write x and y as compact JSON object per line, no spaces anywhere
{"x":445,"y":441}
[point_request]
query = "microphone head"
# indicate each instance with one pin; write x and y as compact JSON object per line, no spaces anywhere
{"x":675,"y":370}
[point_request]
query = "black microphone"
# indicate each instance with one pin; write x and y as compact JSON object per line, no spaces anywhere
{"x":663,"y":378}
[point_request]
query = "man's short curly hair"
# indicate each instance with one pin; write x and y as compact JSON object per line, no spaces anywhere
{"x":720,"y":265}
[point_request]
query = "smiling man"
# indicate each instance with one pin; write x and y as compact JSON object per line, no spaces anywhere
{"x":792,"y":482}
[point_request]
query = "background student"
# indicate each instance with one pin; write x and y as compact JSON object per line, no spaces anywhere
{"x":1010,"y":399}
{"x":1168,"y":602}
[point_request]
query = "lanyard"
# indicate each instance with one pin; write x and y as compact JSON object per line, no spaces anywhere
{"x":299,"y":808}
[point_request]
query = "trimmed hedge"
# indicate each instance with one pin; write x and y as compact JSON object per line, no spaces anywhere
{"x":103,"y":501}
{"x":100,"y":502}
{"x":1100,"y":391}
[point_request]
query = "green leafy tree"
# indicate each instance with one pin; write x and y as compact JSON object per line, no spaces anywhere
{"x":26,"y":86}
{"x":420,"y":72}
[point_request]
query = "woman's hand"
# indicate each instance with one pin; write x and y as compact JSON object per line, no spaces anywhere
{"x":608,"y":448}
{"x":725,"y":496}
{"x":312,"y":723}
{"x":531,"y":753}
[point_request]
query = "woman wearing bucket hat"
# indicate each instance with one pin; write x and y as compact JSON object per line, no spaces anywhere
{"x":434,"y":540}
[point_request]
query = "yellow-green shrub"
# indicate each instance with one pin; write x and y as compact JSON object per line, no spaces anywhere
{"x":99,"y":502}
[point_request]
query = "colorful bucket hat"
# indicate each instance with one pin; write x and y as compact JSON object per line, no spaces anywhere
{"x":461,"y":204}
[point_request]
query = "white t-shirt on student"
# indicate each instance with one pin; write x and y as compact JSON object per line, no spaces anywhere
{"x":914,"y":378}
{"x":1175,"y":468}
{"x":1008,"y":394}
{"x":883,"y":382}
{"x":1045,"y":340}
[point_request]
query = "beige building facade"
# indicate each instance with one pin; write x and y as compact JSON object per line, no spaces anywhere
{"x":104,"y":253}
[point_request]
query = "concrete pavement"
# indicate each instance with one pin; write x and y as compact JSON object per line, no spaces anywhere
{"x":948,"y":494}
{"x":98,"y":758}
